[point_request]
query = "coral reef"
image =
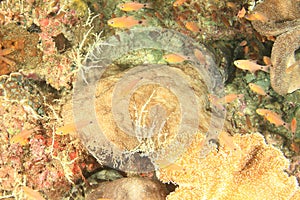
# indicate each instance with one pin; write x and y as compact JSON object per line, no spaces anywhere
{"x":244,"y":167}
{"x":214,"y":19}
{"x":43,"y":44}
{"x":18,"y":49}
{"x":284,"y":20}
{"x":27,"y":146}
{"x":31,"y":154}
{"x":52,"y":24}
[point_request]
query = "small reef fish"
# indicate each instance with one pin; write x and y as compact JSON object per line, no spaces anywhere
{"x":294,"y":125}
{"x":231,"y":5}
{"x":250,"y":65}
{"x":272,"y":117}
{"x":213,"y":99}
{"x":133,"y":6}
{"x":192,"y":26}
{"x":179,"y":3}
{"x":219,"y":102}
{"x":199,"y":55}
{"x":256,"y":16}
{"x":125,"y":22}
{"x":175,"y":58}
{"x":71,"y":128}
{"x":4,"y":52}
{"x":243,"y":43}
{"x":241,"y":13}
{"x":267,"y":60}
{"x":230,"y":98}
{"x":257,"y":89}
{"x":66,"y":129}
{"x":226,"y":99}
{"x":22,"y":137}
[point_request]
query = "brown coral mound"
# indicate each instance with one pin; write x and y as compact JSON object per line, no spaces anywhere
{"x":245,"y":167}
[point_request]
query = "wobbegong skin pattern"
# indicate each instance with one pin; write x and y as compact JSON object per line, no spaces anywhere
{"x":284,"y":22}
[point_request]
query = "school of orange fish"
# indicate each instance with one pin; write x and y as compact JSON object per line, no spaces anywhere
{"x":248,"y":65}
{"x":127,"y":22}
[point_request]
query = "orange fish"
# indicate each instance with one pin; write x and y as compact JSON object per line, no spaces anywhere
{"x":241,"y":13}
{"x":257,"y":16}
{"x":243,"y":43}
{"x":294,"y":125}
{"x":262,"y":111}
{"x":175,"y":58}
{"x":219,"y":102}
{"x":231,"y":5}
{"x":192,"y":26}
{"x":250,"y":65}
{"x":199,"y":55}
{"x":125,"y":22}
{"x":4,"y":52}
{"x":179,"y":3}
{"x":267,"y":60}
{"x":71,"y":128}
{"x":214,"y":100}
{"x":66,"y":129}
{"x":257,"y":89}
{"x":225,"y":21}
{"x":22,"y":137}
{"x":295,"y":147}
{"x":230,"y":98}
{"x":272,"y":117}
{"x":133,"y":6}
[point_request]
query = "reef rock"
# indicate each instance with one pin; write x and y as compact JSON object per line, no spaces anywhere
{"x":130,"y":189}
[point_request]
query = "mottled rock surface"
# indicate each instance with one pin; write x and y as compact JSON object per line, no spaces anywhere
{"x":129,"y":189}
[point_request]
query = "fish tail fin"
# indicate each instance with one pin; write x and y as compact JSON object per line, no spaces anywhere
{"x":268,"y":96}
{"x":287,"y":126}
{"x":143,"y":22}
{"x":265,"y":68}
{"x":148,"y":5}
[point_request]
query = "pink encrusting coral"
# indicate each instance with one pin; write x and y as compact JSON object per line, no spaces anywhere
{"x":57,"y":67}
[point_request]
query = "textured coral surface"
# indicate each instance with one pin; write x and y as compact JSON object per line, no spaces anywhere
{"x":244,"y":167}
